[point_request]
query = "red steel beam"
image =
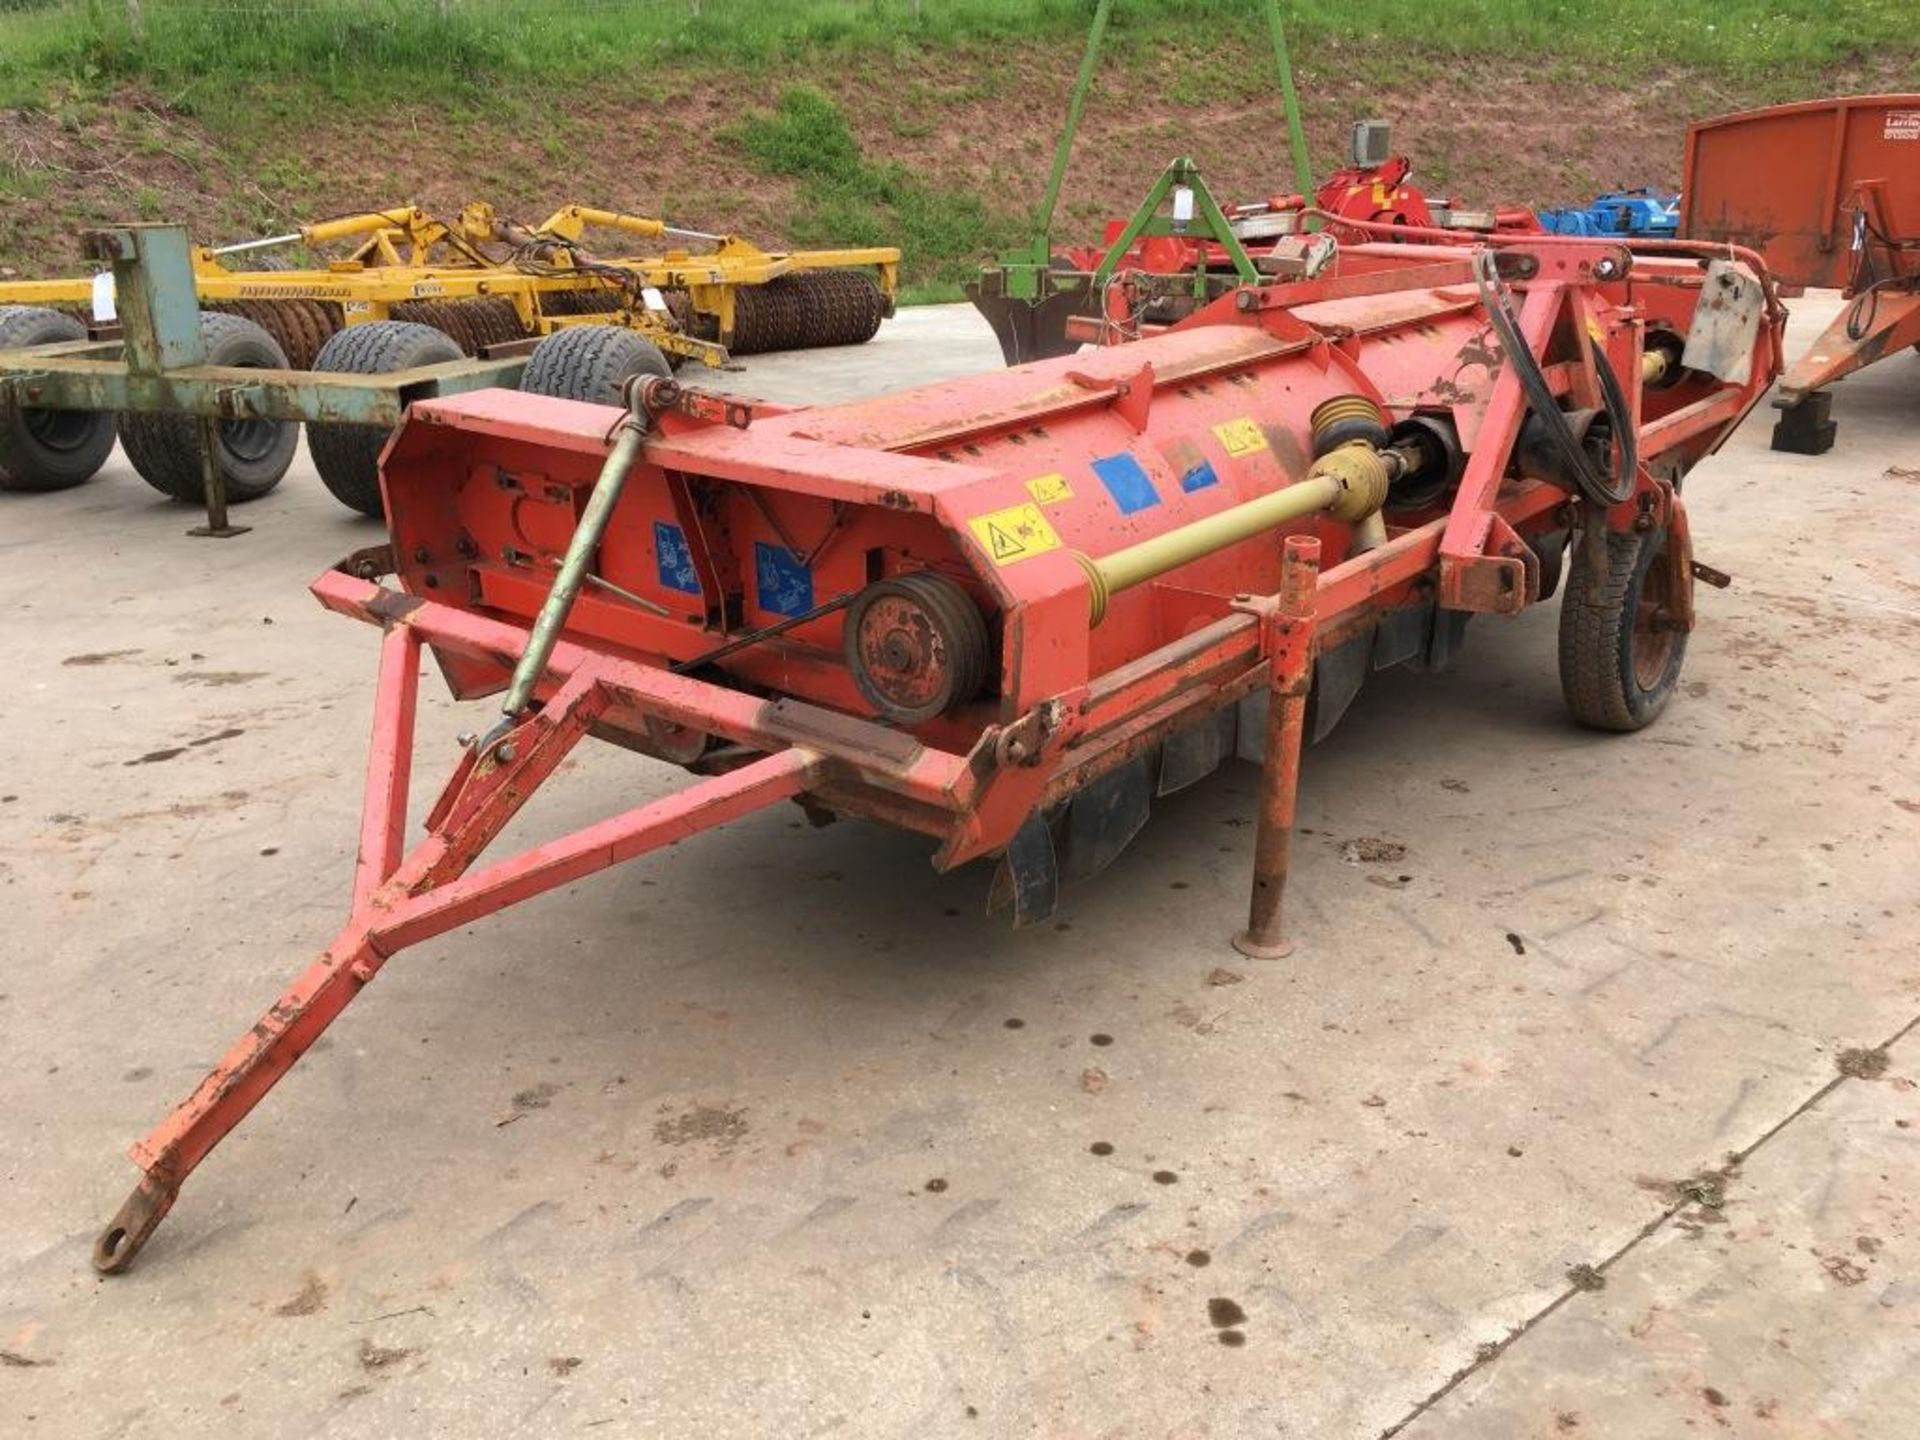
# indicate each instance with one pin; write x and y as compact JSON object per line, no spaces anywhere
{"x":423,"y":896}
{"x":1471,"y":521}
{"x":383,"y":816}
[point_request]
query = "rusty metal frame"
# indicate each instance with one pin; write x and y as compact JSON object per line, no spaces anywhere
{"x":1881,"y":317}
{"x":402,"y":899}
{"x":971,"y":788}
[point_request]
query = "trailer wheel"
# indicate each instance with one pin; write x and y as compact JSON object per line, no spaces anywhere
{"x":48,"y":449}
{"x":348,"y":456}
{"x":1619,"y":656}
{"x":592,"y":363}
{"x":253,"y":454}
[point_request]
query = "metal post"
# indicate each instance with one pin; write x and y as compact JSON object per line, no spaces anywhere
{"x":1287,"y":638}
{"x":214,"y":482}
{"x":1043,"y":237}
{"x":159,"y":307}
{"x":1296,"y":134}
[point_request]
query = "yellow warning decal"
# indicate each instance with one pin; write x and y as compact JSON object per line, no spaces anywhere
{"x":1241,"y":437}
{"x":1050,"y":489}
{"x":1015,"y":533}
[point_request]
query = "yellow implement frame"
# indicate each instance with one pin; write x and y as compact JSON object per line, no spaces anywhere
{"x":406,"y":255}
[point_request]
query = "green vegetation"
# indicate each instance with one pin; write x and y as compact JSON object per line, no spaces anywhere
{"x":848,"y":200}
{"x":837,"y":122}
{"x":363,"y":49}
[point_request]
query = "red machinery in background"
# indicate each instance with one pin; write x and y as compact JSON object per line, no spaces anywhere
{"x":1007,"y":611}
{"x":1380,"y":192}
{"x":1377,"y":186}
{"x":1175,"y":266}
{"x":1828,"y":192}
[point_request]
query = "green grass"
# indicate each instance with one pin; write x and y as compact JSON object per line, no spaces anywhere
{"x":846,"y":199}
{"x":471,"y":71}
{"x":370,"y":50}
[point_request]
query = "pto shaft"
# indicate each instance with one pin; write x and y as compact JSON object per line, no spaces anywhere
{"x":1350,"y":483}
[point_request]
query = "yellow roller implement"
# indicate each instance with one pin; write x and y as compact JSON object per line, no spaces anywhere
{"x":491,"y":284}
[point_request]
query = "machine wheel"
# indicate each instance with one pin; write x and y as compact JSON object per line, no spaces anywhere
{"x":592,"y":363}
{"x":348,"y":456}
{"x":254,"y":454}
{"x":1619,"y":658}
{"x":48,"y":449}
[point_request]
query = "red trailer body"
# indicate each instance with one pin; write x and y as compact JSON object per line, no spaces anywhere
{"x":1828,"y":192}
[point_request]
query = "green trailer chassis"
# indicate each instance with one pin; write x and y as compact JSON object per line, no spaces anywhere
{"x":158,"y":364}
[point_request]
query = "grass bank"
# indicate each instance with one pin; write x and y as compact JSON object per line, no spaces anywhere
{"x":826,"y":122}
{"x":366,"y":51}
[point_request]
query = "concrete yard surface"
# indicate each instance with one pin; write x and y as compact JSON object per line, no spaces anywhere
{"x":1582,"y":1109}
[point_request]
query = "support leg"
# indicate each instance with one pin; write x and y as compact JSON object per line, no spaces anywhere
{"x":383,"y":814}
{"x":214,"y":483}
{"x":1287,"y":637}
{"x":1804,"y":428}
{"x":1878,"y":323}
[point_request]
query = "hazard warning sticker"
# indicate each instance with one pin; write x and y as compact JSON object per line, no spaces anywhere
{"x":1902,"y":125}
{"x":1050,"y":489}
{"x":1015,"y":533}
{"x":1241,"y":437}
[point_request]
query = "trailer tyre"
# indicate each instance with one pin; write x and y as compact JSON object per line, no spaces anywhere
{"x":591,"y":363}
{"x":253,"y":454}
{"x":348,"y":456}
{"x":1619,"y":658}
{"x":48,"y":449}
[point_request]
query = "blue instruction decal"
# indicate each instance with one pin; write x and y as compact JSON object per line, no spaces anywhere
{"x":674,"y":560}
{"x":1126,"y":481}
{"x":786,"y":584}
{"x":1199,"y":477}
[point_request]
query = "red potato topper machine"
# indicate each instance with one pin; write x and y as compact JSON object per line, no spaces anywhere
{"x":1005,"y":611}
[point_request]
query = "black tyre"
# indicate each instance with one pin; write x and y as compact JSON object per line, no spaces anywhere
{"x":1620,"y":655}
{"x":348,"y":456}
{"x":592,"y":363}
{"x":48,"y":449}
{"x":253,"y":454}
